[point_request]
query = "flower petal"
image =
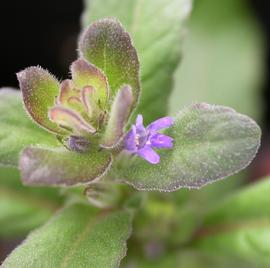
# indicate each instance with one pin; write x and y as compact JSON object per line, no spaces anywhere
{"x":70,"y":119}
{"x":163,"y":122}
{"x":161,"y":141}
{"x":149,"y":155}
{"x":139,"y":124}
{"x":130,"y":140}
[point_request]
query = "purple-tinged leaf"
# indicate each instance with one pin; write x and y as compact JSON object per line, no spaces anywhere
{"x":106,"y":45}
{"x":61,"y":167}
{"x":87,"y":96}
{"x":40,"y":90}
{"x":119,"y":115}
{"x":87,"y":75}
{"x":78,"y":144}
{"x":66,"y":91}
{"x":69,"y":119}
{"x":157,"y":28}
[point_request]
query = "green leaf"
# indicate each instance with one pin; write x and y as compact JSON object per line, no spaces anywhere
{"x":239,"y":225}
{"x":16,"y":129}
{"x":78,"y":236}
{"x":39,"y":89}
{"x":59,"y":166}
{"x":156,"y":27}
{"x":23,"y":208}
{"x":106,"y":45}
{"x":85,"y":74}
{"x":210,"y":142}
{"x":223,"y":58}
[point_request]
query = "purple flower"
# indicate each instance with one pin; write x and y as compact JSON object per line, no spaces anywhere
{"x":141,"y":140}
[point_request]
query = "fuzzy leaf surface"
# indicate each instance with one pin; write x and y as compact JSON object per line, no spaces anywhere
{"x":210,"y":142}
{"x":59,"y":166}
{"x":156,"y":27}
{"x":39,"y":89}
{"x":108,"y":46}
{"x":78,"y":236}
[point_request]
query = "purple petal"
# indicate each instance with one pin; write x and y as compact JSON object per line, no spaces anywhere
{"x":163,"y":122}
{"x":139,"y":124}
{"x":149,"y":155}
{"x":130,"y":140}
{"x":161,"y":141}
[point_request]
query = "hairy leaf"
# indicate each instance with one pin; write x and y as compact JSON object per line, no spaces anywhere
{"x":106,"y":45}
{"x":59,"y":166}
{"x":239,"y":225}
{"x":16,"y":129}
{"x":23,"y":208}
{"x":78,"y":236}
{"x":85,"y":74}
{"x":210,"y":143}
{"x":39,"y":89}
{"x":156,"y":26}
{"x":118,"y":117}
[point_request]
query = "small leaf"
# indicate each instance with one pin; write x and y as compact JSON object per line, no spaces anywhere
{"x":239,"y":225}
{"x":85,"y":74}
{"x":157,"y":28}
{"x":58,"y":166}
{"x":106,"y":45}
{"x":68,"y":118}
{"x":210,"y":143}
{"x":78,"y":236}
{"x":17,"y":130}
{"x":23,"y":208}
{"x":118,"y":117}
{"x":40,"y":90}
{"x":66,"y":91}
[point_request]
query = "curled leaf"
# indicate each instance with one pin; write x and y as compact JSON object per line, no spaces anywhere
{"x":106,"y":45}
{"x":118,"y":117}
{"x":66,"y":91}
{"x":39,"y":89}
{"x":68,"y":118}
{"x":85,"y":74}
{"x":157,"y":28}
